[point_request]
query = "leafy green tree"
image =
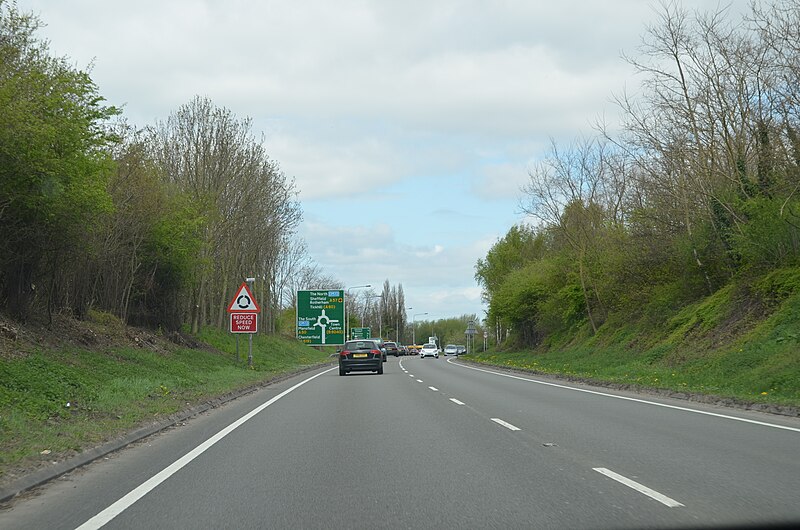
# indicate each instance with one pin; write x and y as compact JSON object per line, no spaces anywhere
{"x":520,"y":245}
{"x":53,"y":161}
{"x":170,"y":261}
{"x":516,"y":249}
{"x":140,"y":200}
{"x":517,"y":302}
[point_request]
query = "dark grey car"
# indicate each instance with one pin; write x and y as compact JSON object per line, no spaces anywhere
{"x":361,"y":356}
{"x":381,"y":346}
{"x":392,"y":349}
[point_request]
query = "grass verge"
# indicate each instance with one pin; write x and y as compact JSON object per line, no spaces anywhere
{"x":712,"y":348}
{"x":57,"y":402}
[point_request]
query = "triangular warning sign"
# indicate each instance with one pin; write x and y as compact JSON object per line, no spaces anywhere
{"x":244,"y":301}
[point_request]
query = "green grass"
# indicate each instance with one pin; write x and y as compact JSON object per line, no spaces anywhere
{"x":713,"y":347}
{"x":67,"y":400}
{"x":750,"y":374}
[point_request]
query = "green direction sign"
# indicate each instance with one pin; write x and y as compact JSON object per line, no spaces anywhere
{"x":320,"y":317}
{"x":360,"y":333}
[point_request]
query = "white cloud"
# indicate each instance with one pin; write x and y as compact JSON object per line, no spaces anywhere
{"x":371,"y":254}
{"x":428,"y":252}
{"x":501,"y":181}
{"x":330,"y":169}
{"x":326,"y":60}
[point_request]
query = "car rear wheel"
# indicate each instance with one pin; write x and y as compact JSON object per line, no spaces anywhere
{"x":380,"y":369}
{"x":342,"y":371}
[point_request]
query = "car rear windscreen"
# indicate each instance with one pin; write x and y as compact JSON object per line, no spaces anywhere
{"x":360,"y":345}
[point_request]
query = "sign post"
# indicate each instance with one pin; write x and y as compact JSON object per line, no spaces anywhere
{"x":360,"y":333}
{"x":243,"y":311}
{"x":320,"y":317}
{"x":470,"y":333}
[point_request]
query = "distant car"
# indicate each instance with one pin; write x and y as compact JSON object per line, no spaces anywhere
{"x":451,"y":349}
{"x":429,"y":350}
{"x":461,"y":349}
{"x":403,"y":349}
{"x":392,"y":349}
{"x":381,"y":346}
{"x":361,"y":356}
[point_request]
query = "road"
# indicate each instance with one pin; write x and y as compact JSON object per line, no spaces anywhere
{"x":437,"y":443}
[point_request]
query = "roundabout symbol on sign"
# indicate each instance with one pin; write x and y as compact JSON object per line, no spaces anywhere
{"x":322,"y":325}
{"x":244,"y":305}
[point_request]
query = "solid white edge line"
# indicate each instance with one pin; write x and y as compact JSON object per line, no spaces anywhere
{"x":102,"y":518}
{"x":653,"y":494}
{"x":506,"y":424}
{"x":457,"y":402}
{"x":433,"y":388}
{"x":675,"y":407}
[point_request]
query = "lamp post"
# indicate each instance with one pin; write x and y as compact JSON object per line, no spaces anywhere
{"x":398,"y":324}
{"x":346,"y":319}
{"x":414,"y":327}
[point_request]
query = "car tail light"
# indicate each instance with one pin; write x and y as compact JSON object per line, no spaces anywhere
{"x":375,"y":352}
{"x":344,"y":353}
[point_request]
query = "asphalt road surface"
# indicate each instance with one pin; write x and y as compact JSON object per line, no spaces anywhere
{"x":437,"y":443}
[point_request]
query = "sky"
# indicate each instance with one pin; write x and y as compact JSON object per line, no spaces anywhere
{"x":408,"y":126}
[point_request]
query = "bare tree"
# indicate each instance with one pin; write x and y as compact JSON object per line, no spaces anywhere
{"x":248,"y":204}
{"x":566,"y":192}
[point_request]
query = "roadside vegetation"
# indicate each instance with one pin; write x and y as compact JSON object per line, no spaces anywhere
{"x":448,"y":330}
{"x":667,"y":253}
{"x":103,"y":379}
{"x":157,"y":224}
{"x":713,"y":348}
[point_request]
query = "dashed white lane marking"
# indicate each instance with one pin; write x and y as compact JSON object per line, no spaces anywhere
{"x":410,"y":375}
{"x":457,"y":402}
{"x":653,"y":494}
{"x":506,"y":424}
{"x":419,"y":380}
{"x":433,"y":388}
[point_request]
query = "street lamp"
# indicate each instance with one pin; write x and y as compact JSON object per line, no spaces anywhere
{"x":414,"y":327}
{"x":346,"y":319}
{"x":398,"y":324}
